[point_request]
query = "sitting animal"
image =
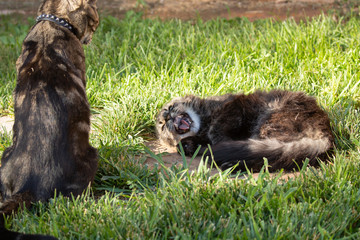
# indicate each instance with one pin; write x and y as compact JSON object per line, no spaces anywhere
{"x":283,"y":126}
{"x":51,"y":150}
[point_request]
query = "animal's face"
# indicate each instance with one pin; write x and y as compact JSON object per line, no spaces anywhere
{"x":82,"y":14}
{"x":177,"y":120}
{"x":91,"y":22}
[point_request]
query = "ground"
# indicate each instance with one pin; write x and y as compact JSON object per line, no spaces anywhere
{"x":206,"y":9}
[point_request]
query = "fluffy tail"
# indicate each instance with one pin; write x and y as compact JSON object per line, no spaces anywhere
{"x":11,"y":206}
{"x":280,"y":155}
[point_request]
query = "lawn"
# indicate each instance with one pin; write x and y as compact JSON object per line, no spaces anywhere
{"x":134,"y":66}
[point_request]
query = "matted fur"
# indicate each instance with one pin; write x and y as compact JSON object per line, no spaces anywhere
{"x":51,"y":150}
{"x":284,"y":127}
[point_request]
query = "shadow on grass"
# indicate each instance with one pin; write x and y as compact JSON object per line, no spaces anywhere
{"x":345,"y":123}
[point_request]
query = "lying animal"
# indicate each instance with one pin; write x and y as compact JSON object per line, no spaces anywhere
{"x":284,"y":127}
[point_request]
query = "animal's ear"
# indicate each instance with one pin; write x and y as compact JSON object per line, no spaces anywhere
{"x":75,"y":4}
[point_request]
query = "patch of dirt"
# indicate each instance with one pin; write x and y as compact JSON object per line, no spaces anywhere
{"x":170,"y":156}
{"x":209,"y":9}
{"x":205,"y":9}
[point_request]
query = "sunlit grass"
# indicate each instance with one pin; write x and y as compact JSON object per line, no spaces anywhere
{"x":134,"y":66}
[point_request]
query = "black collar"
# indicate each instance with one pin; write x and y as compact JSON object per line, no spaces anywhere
{"x":60,"y":21}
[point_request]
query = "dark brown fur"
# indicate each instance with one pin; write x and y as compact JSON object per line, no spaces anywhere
{"x":284,"y":127}
{"x":51,"y":149}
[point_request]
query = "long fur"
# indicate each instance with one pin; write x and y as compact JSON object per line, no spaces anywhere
{"x":280,"y":155}
{"x":51,"y":149}
{"x":284,"y":127}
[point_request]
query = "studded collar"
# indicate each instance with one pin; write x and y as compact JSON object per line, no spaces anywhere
{"x":60,"y":21}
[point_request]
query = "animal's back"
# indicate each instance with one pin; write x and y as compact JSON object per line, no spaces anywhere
{"x":284,"y":127}
{"x":51,"y":109}
{"x":292,"y":116}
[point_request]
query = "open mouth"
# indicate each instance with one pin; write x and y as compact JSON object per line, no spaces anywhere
{"x":182,"y":123}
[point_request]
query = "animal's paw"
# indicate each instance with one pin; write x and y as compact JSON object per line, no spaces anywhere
{"x":191,"y":144}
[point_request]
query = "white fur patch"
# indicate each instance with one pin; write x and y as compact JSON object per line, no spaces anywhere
{"x":195,"y":125}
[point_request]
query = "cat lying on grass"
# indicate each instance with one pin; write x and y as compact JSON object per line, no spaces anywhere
{"x":284,"y":127}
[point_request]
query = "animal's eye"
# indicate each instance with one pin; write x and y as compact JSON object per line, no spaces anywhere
{"x":171,"y":108}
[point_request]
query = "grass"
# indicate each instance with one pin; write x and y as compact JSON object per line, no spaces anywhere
{"x":134,"y":66}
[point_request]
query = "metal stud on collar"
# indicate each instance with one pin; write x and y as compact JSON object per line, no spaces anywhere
{"x":52,"y":18}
